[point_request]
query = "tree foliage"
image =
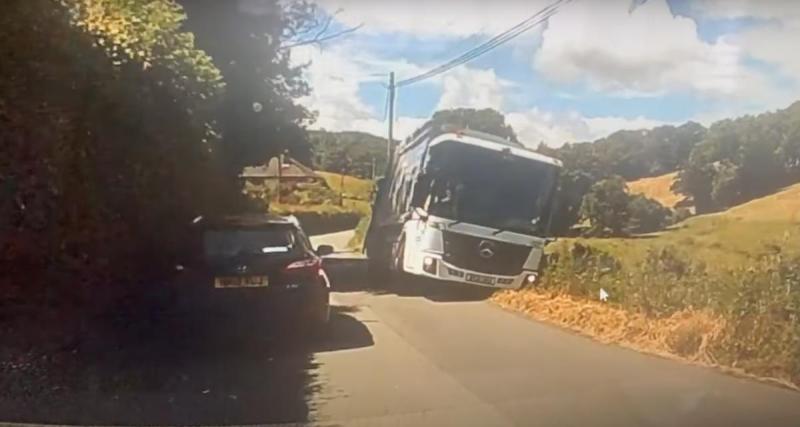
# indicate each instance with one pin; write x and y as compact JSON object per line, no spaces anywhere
{"x":258,"y":115}
{"x":484,"y":120}
{"x":647,"y":215}
{"x":350,"y":153}
{"x":742,"y":159}
{"x":108,"y":145}
{"x":627,"y":154}
{"x":606,"y":207}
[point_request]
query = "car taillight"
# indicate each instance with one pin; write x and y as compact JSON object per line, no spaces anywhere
{"x":313,"y":264}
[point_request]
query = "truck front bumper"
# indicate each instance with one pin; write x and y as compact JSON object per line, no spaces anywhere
{"x":431,"y":265}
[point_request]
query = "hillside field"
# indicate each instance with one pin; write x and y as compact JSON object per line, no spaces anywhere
{"x":354,"y":187}
{"x":657,"y":188}
{"x":725,"y":239}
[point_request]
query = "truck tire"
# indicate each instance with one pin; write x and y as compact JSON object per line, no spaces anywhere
{"x":377,"y":267}
{"x":400,"y":281}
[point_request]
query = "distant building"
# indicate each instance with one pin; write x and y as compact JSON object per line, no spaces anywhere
{"x":291,"y":173}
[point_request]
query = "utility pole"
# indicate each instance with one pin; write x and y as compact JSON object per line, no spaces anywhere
{"x":341,"y":189}
{"x":390,"y":141}
{"x":280,"y":171}
{"x":372,"y":174}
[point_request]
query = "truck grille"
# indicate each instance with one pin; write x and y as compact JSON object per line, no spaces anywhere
{"x":464,"y":251}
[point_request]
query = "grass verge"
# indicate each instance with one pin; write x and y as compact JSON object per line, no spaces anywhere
{"x":721,"y":289}
{"x":357,"y":241}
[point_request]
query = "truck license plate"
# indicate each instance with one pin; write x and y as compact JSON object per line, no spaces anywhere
{"x":477,"y":278}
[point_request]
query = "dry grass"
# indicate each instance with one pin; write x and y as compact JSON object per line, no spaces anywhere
{"x":782,"y":206}
{"x":354,"y":187}
{"x":688,"y":335}
{"x":657,"y":188}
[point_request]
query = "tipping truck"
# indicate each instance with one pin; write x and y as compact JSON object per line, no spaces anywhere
{"x":459,"y":205}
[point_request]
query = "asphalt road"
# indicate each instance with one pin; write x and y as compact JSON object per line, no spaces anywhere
{"x":438,"y":362}
{"x":338,"y":240}
{"x":438,"y":357}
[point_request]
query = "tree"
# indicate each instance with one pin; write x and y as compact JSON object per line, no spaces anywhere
{"x":647,"y":215}
{"x":605,"y":207}
{"x":359,"y":149}
{"x":108,"y":149}
{"x":485,"y":120}
{"x":258,"y":115}
{"x":742,"y":159}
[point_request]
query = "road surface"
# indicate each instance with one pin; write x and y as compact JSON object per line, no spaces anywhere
{"x":471,"y":363}
{"x":401,"y":358}
{"x":338,"y":240}
{"x":437,"y":360}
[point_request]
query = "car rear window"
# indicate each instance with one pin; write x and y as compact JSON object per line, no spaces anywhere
{"x":239,"y":241}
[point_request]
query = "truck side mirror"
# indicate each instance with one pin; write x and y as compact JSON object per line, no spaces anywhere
{"x":421,"y":213}
{"x":324,"y":250}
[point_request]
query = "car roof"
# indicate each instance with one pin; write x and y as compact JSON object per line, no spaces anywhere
{"x":250,"y":220}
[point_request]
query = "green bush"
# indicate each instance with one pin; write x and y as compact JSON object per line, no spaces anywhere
{"x":107,"y":151}
{"x":647,"y":215}
{"x":760,"y":304}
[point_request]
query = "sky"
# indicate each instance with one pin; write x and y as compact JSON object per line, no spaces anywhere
{"x":595,"y":67}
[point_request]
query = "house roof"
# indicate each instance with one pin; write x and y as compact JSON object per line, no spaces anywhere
{"x":291,"y":168}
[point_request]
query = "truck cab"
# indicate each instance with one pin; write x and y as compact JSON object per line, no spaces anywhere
{"x":463,"y":206}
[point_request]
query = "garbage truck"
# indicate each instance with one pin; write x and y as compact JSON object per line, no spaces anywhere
{"x":458,"y":205}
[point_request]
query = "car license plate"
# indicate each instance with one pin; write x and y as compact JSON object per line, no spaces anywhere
{"x":477,"y":278}
{"x":241,"y":282}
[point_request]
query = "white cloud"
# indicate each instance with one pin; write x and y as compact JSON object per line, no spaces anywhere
{"x":433,"y":17}
{"x":764,"y":9}
{"x":773,"y":41}
{"x":472,"y":88}
{"x":334,"y":76}
{"x":535,"y":126}
{"x":646,"y":53}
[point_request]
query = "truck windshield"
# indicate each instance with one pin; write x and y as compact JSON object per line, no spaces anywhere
{"x":489,"y":188}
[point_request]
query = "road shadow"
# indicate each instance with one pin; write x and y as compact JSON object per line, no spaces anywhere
{"x":188,"y":368}
{"x":345,"y":332}
{"x":347,"y":274}
{"x":437,"y":291}
{"x":350,"y":275}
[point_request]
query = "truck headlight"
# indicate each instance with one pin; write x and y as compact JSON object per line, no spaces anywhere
{"x":530,"y":279}
{"x":429,"y":265}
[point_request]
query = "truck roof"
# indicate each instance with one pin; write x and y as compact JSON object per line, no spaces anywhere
{"x":473,"y":137}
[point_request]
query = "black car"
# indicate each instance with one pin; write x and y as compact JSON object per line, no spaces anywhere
{"x":263,"y":264}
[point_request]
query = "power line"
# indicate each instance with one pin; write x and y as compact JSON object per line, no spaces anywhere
{"x":492,"y":43}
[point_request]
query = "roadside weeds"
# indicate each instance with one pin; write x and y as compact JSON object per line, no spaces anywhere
{"x":688,"y":336}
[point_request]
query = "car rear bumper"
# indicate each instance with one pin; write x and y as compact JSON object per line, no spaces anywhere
{"x":272,"y":303}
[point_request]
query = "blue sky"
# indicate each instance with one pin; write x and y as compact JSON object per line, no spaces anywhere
{"x":593,"y":68}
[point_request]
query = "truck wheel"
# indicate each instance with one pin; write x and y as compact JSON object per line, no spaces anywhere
{"x":399,"y":279}
{"x":397,"y":255}
{"x":377,"y":268}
